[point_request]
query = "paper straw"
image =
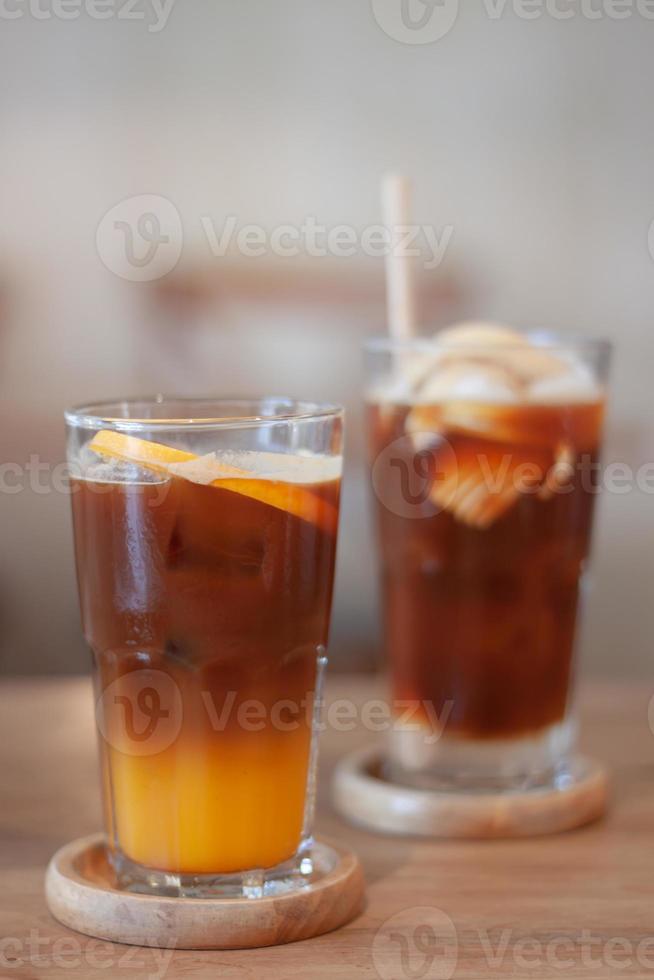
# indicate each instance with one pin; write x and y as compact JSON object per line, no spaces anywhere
{"x":396,"y":203}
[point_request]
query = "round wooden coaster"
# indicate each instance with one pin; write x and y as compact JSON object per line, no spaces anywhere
{"x":364,"y":797}
{"x":81,"y":894}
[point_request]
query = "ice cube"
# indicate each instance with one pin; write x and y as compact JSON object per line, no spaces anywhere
{"x":469,"y":381}
{"x":532,"y":363}
{"x":99,"y":469}
{"x":501,"y":346}
{"x":576,"y":384}
{"x":480,"y":334}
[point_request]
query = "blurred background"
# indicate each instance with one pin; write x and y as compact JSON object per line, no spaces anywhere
{"x":527,"y":131}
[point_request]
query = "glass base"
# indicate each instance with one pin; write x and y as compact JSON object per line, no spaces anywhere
{"x":494,"y":765}
{"x":312,"y":862}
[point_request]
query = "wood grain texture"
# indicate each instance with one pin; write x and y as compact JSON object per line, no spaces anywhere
{"x":568,"y":906}
{"x":362,"y":796}
{"x":81,"y":894}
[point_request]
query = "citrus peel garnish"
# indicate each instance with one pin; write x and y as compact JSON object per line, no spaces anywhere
{"x":290,"y":497}
{"x":497,"y":452}
{"x":540,"y":426}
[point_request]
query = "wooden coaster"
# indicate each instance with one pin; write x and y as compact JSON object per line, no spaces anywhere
{"x":81,"y":894}
{"x":364,"y":797}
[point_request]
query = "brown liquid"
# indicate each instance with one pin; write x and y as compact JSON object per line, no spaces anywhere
{"x":228,"y":597}
{"x":483,"y":618}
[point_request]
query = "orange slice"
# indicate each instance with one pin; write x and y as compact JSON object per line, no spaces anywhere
{"x":543,"y":426}
{"x":289,"y":497}
{"x":479,"y":484}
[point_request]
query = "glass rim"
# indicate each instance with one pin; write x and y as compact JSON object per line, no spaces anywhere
{"x":544,"y":339}
{"x":251,"y":412}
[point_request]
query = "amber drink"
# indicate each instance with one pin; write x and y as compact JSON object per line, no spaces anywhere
{"x":484,"y":448}
{"x":205,"y":537}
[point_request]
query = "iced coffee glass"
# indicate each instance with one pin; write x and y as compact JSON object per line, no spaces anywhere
{"x":484,"y":449}
{"x":205,"y":536}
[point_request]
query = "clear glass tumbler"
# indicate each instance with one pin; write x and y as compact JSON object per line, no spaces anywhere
{"x":205,"y":537}
{"x":484,"y":448}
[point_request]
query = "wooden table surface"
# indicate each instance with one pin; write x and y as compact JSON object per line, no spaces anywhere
{"x":577,"y":905}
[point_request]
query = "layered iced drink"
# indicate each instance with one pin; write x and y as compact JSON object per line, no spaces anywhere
{"x":484,"y":445}
{"x":205,"y":575}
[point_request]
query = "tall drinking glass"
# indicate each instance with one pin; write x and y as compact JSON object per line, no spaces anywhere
{"x":205,"y":536}
{"x":484,"y":449}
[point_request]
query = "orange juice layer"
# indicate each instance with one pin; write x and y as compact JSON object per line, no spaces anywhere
{"x":216,"y":806}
